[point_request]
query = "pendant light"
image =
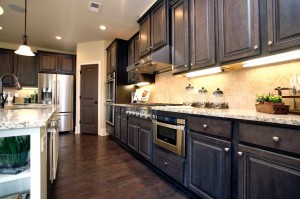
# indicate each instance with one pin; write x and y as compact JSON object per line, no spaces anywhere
{"x":25,"y":49}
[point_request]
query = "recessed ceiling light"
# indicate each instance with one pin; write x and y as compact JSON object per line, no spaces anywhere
{"x":1,"y":28}
{"x":58,"y":37}
{"x":102,"y":27}
{"x":1,"y":11}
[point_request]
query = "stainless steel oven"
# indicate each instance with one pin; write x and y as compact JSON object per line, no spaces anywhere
{"x":110,"y":87}
{"x":169,"y":133}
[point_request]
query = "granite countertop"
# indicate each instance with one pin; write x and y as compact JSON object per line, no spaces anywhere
{"x":25,"y":116}
{"x":241,"y":114}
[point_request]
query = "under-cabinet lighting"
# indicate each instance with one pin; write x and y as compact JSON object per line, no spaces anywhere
{"x":204,"y":72}
{"x":292,"y":55}
{"x":58,"y":37}
{"x":1,"y":28}
{"x":143,"y":83}
{"x":102,"y":27}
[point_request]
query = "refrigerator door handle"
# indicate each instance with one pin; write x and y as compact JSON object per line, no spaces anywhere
{"x":54,"y":91}
{"x":58,"y":91}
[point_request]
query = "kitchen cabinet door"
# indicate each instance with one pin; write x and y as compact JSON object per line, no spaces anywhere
{"x":26,"y":70}
{"x":6,"y":66}
{"x":145,"y":139}
{"x":283,"y":24}
{"x":131,"y":52}
{"x":202,"y":20}
{"x":123,"y":130}
{"x":117,"y":125}
{"x":145,"y":31}
{"x":180,"y":38}
{"x":263,"y":174}
{"x":209,"y":166}
{"x":48,"y":62}
{"x":137,"y":48}
{"x":113,"y":63}
{"x":159,"y":28}
{"x":238,"y":29}
{"x":108,"y":70}
{"x":133,"y":132}
{"x":67,"y":64}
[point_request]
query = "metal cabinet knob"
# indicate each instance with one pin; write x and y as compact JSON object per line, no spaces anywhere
{"x":276,"y":139}
{"x":205,"y":125}
{"x":150,"y":47}
{"x":240,"y":153}
{"x":165,"y":163}
{"x":226,"y":149}
{"x":270,"y":43}
{"x":255,"y":47}
{"x":185,"y":65}
{"x":191,"y":64}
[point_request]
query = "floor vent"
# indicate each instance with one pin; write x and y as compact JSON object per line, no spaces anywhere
{"x":94,"y":6}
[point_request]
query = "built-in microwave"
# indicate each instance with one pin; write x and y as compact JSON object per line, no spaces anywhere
{"x":169,"y":133}
{"x":111,"y":87}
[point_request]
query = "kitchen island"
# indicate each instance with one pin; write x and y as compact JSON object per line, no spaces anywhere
{"x":29,"y":120}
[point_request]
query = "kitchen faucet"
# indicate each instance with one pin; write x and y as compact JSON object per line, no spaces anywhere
{"x":17,"y":84}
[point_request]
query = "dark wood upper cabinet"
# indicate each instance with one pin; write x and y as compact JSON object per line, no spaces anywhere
{"x":239,"y":35}
{"x":131,"y":45}
{"x":180,"y":36}
{"x":154,"y":28}
{"x":137,"y":48}
{"x":145,"y":31}
{"x":6,"y":63}
{"x":283,"y":24}
{"x":25,"y":68}
{"x":56,"y":63}
{"x":263,"y":174}
{"x":203,"y":40}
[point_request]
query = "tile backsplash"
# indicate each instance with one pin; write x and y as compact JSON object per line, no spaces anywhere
{"x":239,"y":86}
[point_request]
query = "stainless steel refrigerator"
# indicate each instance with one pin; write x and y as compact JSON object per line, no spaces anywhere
{"x":58,"y":89}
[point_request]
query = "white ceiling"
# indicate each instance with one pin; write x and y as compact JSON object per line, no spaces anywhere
{"x":70,"y":19}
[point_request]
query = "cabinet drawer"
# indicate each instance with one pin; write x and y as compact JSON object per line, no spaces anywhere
{"x":123,"y":110}
{"x":278,"y":138}
{"x":216,"y":127}
{"x":117,"y":109}
{"x":171,"y":165}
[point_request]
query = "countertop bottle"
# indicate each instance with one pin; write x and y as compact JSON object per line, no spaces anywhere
{"x":188,"y":95}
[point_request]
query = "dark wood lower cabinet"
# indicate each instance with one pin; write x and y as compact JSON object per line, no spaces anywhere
{"x":209,"y":166}
{"x":123,"y":131}
{"x":133,"y":133}
{"x":263,"y":174}
{"x":117,"y":125}
{"x":145,"y":139}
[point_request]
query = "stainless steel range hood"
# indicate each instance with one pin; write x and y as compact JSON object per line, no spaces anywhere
{"x":159,"y":61}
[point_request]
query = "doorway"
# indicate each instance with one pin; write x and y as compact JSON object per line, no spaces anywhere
{"x":89,"y":99}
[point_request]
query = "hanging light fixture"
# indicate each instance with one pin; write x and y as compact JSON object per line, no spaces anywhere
{"x":25,"y":49}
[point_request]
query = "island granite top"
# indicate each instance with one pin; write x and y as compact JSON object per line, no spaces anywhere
{"x":29,"y":116}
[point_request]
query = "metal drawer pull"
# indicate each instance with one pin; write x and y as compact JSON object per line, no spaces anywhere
{"x":226,"y":149}
{"x":165,"y":163}
{"x":276,"y":139}
{"x":205,"y":125}
{"x":240,"y":153}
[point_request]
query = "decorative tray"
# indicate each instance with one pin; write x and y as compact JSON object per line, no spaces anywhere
{"x":272,"y":108}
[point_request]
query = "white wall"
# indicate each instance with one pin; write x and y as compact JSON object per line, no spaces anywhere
{"x":92,"y":53}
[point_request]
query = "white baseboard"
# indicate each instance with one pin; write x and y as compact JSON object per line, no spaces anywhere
{"x":103,"y":132}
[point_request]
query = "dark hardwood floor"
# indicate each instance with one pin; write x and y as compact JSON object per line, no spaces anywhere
{"x":97,"y":167}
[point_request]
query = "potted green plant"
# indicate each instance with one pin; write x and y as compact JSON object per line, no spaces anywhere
{"x":276,"y":99}
{"x":14,"y":154}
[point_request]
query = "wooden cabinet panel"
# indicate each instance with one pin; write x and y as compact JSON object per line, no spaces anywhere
{"x":170,"y":164}
{"x":283,"y":24}
{"x":145,"y":36}
{"x":67,"y":64}
{"x":238,"y":29}
{"x":202,"y":20}
{"x":273,"y":137}
{"x":48,"y":62}
{"x":108,"y":70}
{"x":26,"y":70}
{"x":113,"y":63}
{"x":180,"y":41}
{"x":117,"y":125}
{"x":123,"y":131}
{"x":263,"y":174}
{"x":6,"y":63}
{"x":159,"y":26}
{"x":209,"y":166}
{"x":133,"y":132}
{"x":137,"y":48}
{"x":218,"y":127}
{"x":145,"y":139}
{"x":131,"y":52}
